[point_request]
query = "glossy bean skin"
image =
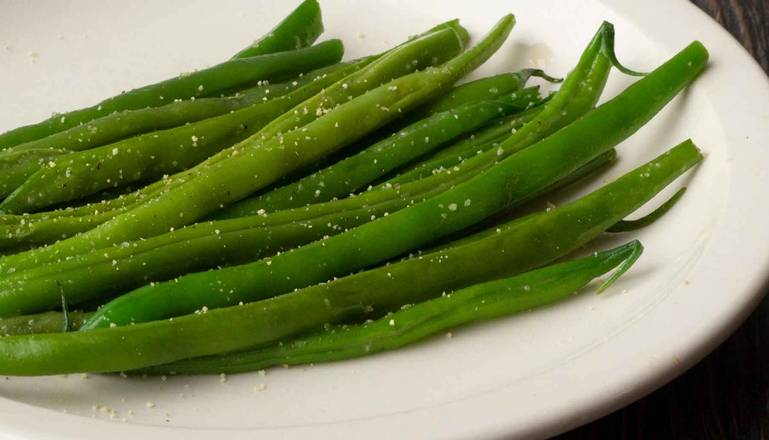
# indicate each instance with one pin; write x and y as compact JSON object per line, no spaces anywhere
{"x":510,"y":182}
{"x":480,"y":302}
{"x":255,"y":163}
{"x":202,"y":83}
{"x":369,"y":293}
{"x":298,"y":29}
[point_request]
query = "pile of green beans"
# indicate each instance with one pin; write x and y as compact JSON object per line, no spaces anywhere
{"x":287,"y":207}
{"x":255,"y":163}
{"x":510,"y":182}
{"x":515,"y":246}
{"x":432,"y":47}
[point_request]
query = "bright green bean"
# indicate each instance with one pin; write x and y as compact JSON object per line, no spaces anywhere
{"x":299,"y":29}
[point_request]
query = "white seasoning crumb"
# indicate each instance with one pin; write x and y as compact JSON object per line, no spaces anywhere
{"x":149,"y":405}
{"x":392,"y":323}
{"x":51,"y":163}
{"x":467,"y":203}
{"x":200,"y":88}
{"x":452,"y":206}
{"x":449,"y":335}
{"x":112,"y":325}
{"x":223,"y":378}
{"x":115,"y":151}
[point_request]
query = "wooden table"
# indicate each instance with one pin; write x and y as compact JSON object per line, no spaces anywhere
{"x":726,"y":396}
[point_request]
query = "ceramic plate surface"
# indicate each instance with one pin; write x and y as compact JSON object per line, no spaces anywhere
{"x":532,"y":375}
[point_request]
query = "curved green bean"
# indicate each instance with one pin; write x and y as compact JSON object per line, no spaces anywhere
{"x":298,"y":29}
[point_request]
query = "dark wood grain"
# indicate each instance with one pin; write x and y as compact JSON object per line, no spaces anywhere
{"x":726,"y":396}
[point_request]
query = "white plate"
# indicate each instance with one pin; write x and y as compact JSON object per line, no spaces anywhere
{"x":528,"y":376}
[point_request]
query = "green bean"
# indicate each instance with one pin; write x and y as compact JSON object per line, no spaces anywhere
{"x":153,"y":155}
{"x":299,"y":29}
{"x":355,"y":172}
{"x":473,"y":145}
{"x":254,"y":163}
{"x":522,"y":245}
{"x":435,"y":45}
{"x":511,"y":181}
{"x":481,"y":302}
{"x":16,"y":166}
{"x":201,"y":83}
{"x":124,"y":124}
{"x":486,"y":88}
{"x":48,"y":322}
